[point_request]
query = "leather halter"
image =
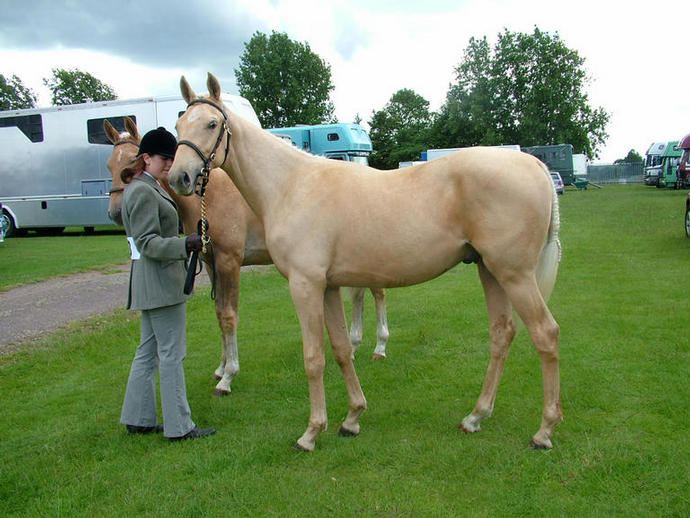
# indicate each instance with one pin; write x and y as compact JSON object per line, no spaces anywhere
{"x":125,"y":141}
{"x":119,"y":143}
{"x":207,"y":160}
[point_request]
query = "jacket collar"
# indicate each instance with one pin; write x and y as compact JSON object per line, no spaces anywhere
{"x":150,"y":180}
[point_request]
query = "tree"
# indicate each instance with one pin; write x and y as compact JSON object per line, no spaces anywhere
{"x":632,"y":157}
{"x":528,"y":90}
{"x":14,"y":95}
{"x":74,"y":86}
{"x":400,"y":131}
{"x":285,"y":81}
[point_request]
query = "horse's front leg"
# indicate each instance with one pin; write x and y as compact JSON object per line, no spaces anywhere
{"x":382,"y":333}
{"x":356,"y":325}
{"x":308,"y":297}
{"x":227,"y":298}
{"x":342,"y":350}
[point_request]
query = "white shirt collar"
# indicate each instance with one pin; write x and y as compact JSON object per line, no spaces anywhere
{"x":154,"y":178}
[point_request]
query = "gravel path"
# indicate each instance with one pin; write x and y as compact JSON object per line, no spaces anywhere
{"x":30,"y":311}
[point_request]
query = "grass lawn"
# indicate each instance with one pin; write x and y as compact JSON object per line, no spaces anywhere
{"x":623,"y":448}
{"x":34,"y":257}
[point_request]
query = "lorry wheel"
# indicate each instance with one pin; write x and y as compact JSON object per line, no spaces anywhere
{"x":8,"y":223}
{"x":687,"y":222}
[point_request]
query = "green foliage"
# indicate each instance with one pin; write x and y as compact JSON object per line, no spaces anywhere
{"x":622,"y":449}
{"x":632,"y":157}
{"x":74,"y":87}
{"x":528,"y":90}
{"x":286,"y":82}
{"x":14,"y":95}
{"x":400,"y":131}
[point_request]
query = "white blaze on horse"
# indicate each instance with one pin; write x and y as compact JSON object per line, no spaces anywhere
{"x":237,"y":238}
{"x":330,"y":224}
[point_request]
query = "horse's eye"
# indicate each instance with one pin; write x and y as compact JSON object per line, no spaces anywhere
{"x":213,"y":124}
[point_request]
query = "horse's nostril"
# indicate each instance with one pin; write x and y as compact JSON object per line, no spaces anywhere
{"x":186,"y":181}
{"x":116,"y":216}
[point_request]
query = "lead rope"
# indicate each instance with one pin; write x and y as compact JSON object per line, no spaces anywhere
{"x":205,"y":238}
{"x":205,"y":242}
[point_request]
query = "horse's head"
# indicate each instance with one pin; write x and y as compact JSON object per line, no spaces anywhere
{"x":125,"y":148}
{"x":204,"y":137}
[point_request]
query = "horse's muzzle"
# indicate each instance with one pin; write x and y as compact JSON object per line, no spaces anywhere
{"x":115,"y":216}
{"x":181,"y":183}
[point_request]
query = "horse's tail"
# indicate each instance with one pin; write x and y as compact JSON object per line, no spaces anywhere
{"x":547,"y":266}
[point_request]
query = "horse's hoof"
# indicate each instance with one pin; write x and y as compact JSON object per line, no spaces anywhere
{"x":538,"y":446}
{"x":217,"y":376}
{"x":298,"y":447}
{"x":468,"y":427}
{"x":221,"y":393}
{"x":377,"y":356}
{"x":344,"y":432}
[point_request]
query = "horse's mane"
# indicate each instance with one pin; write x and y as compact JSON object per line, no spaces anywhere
{"x":292,"y":146}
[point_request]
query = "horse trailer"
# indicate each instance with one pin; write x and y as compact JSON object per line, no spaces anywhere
{"x":53,"y":170}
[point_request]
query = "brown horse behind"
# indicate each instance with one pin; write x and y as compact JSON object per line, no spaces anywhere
{"x":237,"y":237}
{"x":330,"y":224}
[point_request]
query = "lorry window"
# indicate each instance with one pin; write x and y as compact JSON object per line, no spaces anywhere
{"x":29,"y":125}
{"x":96,"y":133}
{"x":332,"y":137}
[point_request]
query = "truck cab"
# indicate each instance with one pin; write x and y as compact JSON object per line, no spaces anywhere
{"x":652,"y":164}
{"x":669,"y":166}
{"x":684,"y":164}
{"x":348,"y":142}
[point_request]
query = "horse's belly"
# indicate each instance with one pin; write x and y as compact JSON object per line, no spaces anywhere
{"x":381,"y":270}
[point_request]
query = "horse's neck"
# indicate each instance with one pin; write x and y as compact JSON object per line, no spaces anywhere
{"x":263,"y":167}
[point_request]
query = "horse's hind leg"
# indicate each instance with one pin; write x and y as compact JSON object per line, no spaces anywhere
{"x":336,"y":325}
{"x":357,"y":317}
{"x":502,"y":331}
{"x":227,"y":297}
{"x":544,"y":331}
{"x":382,"y":333}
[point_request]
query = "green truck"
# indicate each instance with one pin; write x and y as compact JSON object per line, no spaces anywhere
{"x":668,"y":176}
{"x":558,"y":158}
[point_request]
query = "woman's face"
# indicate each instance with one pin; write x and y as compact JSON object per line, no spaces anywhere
{"x":158,"y":166}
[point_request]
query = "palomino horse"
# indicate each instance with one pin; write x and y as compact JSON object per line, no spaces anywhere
{"x":331,"y":224}
{"x":238,"y":239}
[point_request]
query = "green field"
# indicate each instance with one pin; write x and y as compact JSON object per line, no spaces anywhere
{"x":623,"y":448}
{"x":34,"y":257}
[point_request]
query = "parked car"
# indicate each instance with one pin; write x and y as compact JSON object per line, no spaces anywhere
{"x":558,"y":182}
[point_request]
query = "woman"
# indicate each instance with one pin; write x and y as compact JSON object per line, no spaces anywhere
{"x":156,"y":288}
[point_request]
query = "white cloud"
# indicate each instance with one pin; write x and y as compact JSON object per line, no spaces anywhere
{"x":632,"y":51}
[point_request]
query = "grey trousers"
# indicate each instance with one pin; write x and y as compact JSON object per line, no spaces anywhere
{"x":163,"y":346}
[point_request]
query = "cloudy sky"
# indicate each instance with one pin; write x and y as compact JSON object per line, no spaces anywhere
{"x":635,"y":52}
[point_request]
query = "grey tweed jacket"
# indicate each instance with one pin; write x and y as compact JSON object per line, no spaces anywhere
{"x":150,"y":218}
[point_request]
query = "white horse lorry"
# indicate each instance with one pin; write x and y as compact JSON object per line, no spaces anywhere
{"x":53,"y":170}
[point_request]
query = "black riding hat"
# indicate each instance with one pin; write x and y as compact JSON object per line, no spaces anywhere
{"x":158,"y":142}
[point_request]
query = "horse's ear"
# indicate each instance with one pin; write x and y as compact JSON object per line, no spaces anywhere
{"x":213,"y":87}
{"x":110,"y":132}
{"x":187,"y":92}
{"x":132,"y":129}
